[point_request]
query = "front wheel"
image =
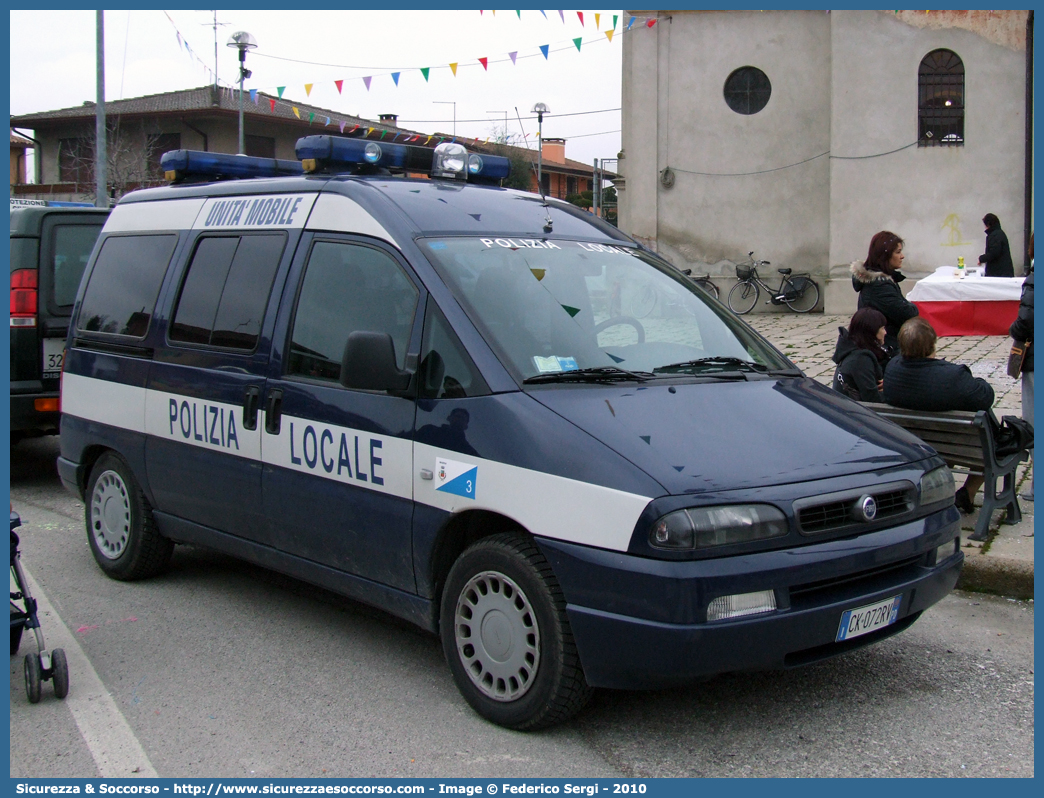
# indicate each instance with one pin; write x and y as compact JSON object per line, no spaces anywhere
{"x":120,"y":528}
{"x":60,"y":673}
{"x":33,"y":677}
{"x":743,"y":297}
{"x":506,"y":636}
{"x":801,"y":294}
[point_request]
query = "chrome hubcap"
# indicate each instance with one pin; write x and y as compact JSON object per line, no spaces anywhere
{"x":498,"y":640}
{"x":110,"y":515}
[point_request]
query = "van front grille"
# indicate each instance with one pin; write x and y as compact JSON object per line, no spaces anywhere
{"x":836,"y":513}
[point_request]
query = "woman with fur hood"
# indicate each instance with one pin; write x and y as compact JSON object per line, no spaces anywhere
{"x":877,"y":282}
{"x":860,"y":357}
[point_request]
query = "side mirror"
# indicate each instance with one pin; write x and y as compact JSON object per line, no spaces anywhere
{"x":369,"y":363}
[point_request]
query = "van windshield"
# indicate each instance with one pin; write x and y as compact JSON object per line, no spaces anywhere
{"x":552,"y":306}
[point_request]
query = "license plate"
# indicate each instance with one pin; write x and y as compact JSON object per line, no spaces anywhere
{"x":864,"y":620}
{"x":53,"y":352}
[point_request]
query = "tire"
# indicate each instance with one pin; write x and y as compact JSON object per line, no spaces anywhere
{"x":121,"y":531}
{"x":808,"y":298}
{"x":33,"y":677}
{"x":533,"y":677}
{"x":743,"y":297}
{"x":710,"y":288}
{"x":60,"y":673}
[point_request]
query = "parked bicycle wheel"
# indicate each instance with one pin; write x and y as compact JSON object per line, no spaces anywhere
{"x":743,"y":297}
{"x":709,"y":287}
{"x":801,"y":294}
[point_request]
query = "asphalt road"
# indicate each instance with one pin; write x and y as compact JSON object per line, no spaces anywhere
{"x":222,"y":669}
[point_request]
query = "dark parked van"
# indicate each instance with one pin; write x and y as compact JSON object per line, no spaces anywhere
{"x":50,"y":247}
{"x":488,"y":413}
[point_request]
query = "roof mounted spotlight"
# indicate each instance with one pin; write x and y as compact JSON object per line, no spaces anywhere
{"x":450,"y":161}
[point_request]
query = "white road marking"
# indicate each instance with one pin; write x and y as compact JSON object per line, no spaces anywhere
{"x":115,"y":749}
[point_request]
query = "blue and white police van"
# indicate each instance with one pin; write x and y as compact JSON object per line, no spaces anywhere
{"x":486,"y":412}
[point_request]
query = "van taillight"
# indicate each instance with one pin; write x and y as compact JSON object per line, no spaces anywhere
{"x":23,"y":298}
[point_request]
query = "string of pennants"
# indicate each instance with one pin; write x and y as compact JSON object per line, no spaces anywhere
{"x":256,"y":96}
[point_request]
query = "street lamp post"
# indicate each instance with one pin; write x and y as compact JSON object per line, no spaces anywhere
{"x":243,"y":41}
{"x":454,"y":104}
{"x":540,"y":109}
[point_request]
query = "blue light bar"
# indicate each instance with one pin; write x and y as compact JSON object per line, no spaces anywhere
{"x":330,"y":153}
{"x":490,"y":168}
{"x":181,"y":164}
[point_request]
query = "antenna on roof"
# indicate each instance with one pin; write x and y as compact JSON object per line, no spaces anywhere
{"x":548,"y":221}
{"x":215,"y":25}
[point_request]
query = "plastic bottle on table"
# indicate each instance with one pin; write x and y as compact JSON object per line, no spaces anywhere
{"x":960,"y":267}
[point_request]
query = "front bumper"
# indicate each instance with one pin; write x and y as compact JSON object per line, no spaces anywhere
{"x":640,"y":623}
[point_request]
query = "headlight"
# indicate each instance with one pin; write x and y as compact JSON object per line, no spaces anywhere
{"x":704,"y":527}
{"x":937,"y":486}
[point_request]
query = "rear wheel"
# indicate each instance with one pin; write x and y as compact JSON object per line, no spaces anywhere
{"x":743,"y":297}
{"x":33,"y":677}
{"x":801,"y":294}
{"x":709,"y":287}
{"x":506,"y":636}
{"x":60,"y":673}
{"x":120,"y":528}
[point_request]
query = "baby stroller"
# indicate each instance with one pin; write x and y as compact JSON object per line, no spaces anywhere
{"x":44,"y":665}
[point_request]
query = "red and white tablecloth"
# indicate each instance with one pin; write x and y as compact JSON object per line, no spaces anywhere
{"x":969,"y":305}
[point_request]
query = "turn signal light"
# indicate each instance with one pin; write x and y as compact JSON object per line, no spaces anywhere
{"x":50,"y":405}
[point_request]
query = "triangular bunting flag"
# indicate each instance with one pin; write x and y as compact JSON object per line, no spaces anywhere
{"x":650,"y":23}
{"x":630,"y":22}
{"x":544,"y":49}
{"x":581,"y":15}
{"x":253,"y":96}
{"x":395,"y":77}
{"x":609,"y":35}
{"x":308,"y":89}
{"x":519,"y":14}
{"x":339,"y":84}
{"x":271,"y":102}
{"x":296,"y":112}
{"x":327,"y":120}
{"x":280,"y":89}
{"x":485,"y":63}
{"x":453,"y":67}
{"x":513,"y":56}
{"x":425,"y":71}
{"x":577,"y":41}
{"x":598,"y":21}
{"x":427,"y":139}
{"x":383,"y":134}
{"x":544,"y":13}
{"x":366,"y":80}
{"x":311,"y":117}
{"x":342,"y":126}
{"x":615,"y":17}
{"x":562,"y":15}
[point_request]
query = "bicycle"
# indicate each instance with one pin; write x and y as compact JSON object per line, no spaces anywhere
{"x":799,"y":292}
{"x":703,"y":281}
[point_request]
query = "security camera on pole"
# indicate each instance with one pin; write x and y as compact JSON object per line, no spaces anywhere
{"x":540,"y":109}
{"x":243,"y":41}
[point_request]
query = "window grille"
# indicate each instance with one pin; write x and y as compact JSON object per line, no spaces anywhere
{"x":940,"y":100}
{"x":747,"y":90}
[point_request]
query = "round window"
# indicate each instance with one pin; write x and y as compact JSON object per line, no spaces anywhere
{"x":747,"y":90}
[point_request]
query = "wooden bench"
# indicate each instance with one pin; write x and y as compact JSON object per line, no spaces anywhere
{"x":966,"y":439}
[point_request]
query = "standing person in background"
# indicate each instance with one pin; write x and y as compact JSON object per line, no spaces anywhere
{"x":877,"y":279}
{"x":860,"y":356}
{"x":917,"y":380}
{"x":997,"y":256}
{"x":1022,"y":330}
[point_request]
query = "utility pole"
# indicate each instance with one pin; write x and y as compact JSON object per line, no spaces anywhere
{"x":101,"y":178}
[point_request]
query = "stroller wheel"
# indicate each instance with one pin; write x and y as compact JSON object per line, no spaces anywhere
{"x":60,"y":673}
{"x":33,"y":676}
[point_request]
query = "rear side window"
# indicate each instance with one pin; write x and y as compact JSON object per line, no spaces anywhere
{"x":72,"y":249}
{"x":348,"y":287}
{"x":225,"y":292}
{"x":124,"y":284}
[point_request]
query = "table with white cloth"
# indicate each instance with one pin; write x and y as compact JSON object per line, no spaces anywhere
{"x":969,"y":305}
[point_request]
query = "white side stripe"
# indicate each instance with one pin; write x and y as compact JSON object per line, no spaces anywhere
{"x":152,"y":216}
{"x":106,"y":402}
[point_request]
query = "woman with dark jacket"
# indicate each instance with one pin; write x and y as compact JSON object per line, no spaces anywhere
{"x":918,"y":381}
{"x":997,"y":256}
{"x":1022,"y":330}
{"x":860,"y":356}
{"x":877,"y":279}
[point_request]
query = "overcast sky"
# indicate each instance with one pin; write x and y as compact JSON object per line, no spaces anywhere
{"x":143,"y":56}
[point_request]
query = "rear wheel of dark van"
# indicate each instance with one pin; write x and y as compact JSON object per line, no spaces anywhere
{"x":120,"y":528}
{"x":506,"y":636}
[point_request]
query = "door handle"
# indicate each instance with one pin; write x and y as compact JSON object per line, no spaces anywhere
{"x":273,"y":411}
{"x":251,"y":401}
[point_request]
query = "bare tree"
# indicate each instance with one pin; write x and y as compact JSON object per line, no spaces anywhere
{"x":133,"y":153}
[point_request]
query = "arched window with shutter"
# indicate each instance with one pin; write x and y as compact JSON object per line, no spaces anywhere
{"x":940,"y":100}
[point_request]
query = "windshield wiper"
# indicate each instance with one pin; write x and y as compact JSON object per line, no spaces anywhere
{"x":596,"y":374}
{"x":693,"y":365}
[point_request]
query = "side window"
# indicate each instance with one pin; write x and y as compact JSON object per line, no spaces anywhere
{"x":940,"y":99}
{"x":72,"y":249}
{"x":124,"y":283}
{"x":446,"y":371}
{"x":348,"y":287}
{"x":225,"y":293}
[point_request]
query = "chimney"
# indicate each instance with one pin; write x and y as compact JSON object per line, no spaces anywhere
{"x":390,"y":120}
{"x":554,"y":150}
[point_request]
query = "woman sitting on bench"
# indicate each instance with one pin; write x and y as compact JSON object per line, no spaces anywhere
{"x":917,"y":380}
